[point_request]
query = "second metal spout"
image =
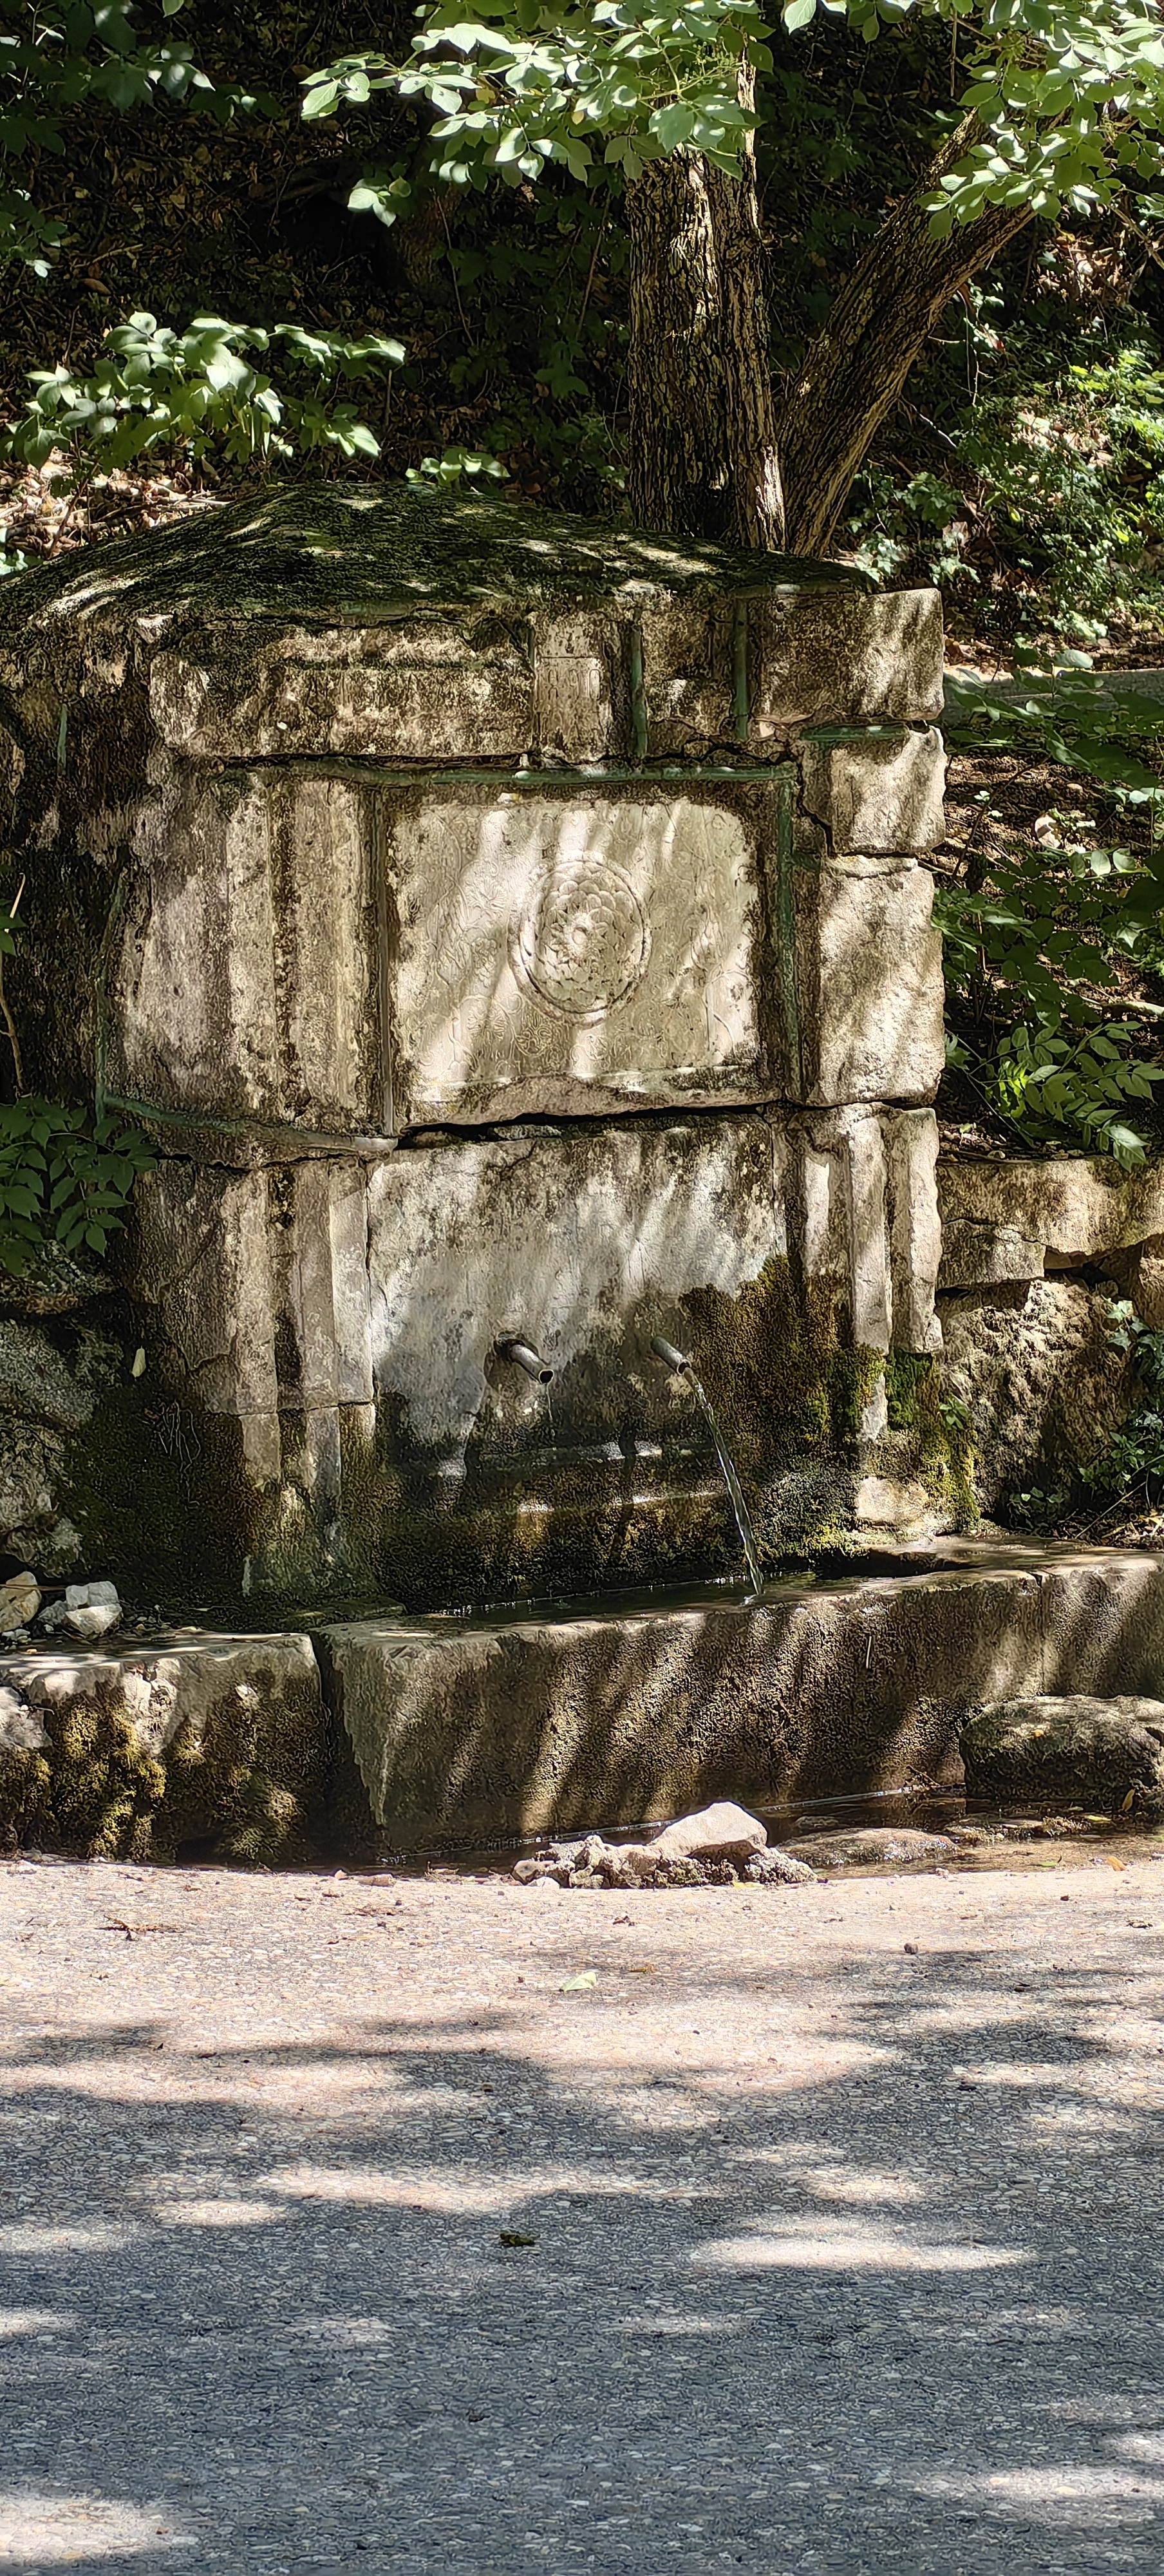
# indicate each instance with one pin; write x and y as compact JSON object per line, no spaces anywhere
{"x":666,"y":1351}
{"x":523,"y":1357}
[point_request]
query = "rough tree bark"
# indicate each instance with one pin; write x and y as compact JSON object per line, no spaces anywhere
{"x":857,"y":365}
{"x":702,"y":416}
{"x":708,"y":455}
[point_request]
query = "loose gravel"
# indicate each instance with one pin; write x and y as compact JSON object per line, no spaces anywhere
{"x":844,"y":2204}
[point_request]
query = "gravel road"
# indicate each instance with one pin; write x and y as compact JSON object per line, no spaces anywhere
{"x":844,"y":2203}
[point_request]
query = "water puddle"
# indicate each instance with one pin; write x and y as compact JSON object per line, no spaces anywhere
{"x":976,"y":1836}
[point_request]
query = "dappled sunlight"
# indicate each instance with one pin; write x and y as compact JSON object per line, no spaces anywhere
{"x":26,"y":2321}
{"x":216,"y":2213}
{"x":1064,"y":2495}
{"x":826,"y":2247}
{"x":50,"y":2531}
{"x":447,"y":2217}
{"x":89,"y":2237}
{"x":840,"y":2183}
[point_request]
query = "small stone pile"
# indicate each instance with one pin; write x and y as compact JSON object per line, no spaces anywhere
{"x":717,"y":1847}
{"x":85,"y":1610}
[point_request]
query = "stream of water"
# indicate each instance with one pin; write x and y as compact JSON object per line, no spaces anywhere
{"x":731,"y":1480}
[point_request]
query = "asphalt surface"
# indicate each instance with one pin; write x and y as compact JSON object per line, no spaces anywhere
{"x":845,"y":2205}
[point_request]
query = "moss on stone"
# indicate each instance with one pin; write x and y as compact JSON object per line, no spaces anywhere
{"x":937,"y":1432}
{"x":160,"y":1494}
{"x":324,"y":552}
{"x":248,"y":1783}
{"x":25,"y":1787}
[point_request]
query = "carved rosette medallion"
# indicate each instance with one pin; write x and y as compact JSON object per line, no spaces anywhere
{"x":583,"y":945}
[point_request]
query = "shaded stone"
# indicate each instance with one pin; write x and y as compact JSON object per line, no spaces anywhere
{"x":976,"y":1255}
{"x":1076,"y":1746}
{"x":530,"y":1726}
{"x":212,"y":1739}
{"x":1035,"y":1368}
{"x":875,"y":794}
{"x":1141,"y":1274}
{"x":871,"y":1847}
{"x":36,"y":1382}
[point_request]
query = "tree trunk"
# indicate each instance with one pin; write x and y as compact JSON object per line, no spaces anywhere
{"x":858,"y":363}
{"x":702,"y":418}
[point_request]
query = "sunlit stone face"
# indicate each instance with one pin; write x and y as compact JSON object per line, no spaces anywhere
{"x":551,"y":946}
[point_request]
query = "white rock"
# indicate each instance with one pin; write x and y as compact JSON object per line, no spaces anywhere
{"x":84,"y":1596}
{"x":719,"y":1832}
{"x":92,"y":1619}
{"x":19,"y":1602}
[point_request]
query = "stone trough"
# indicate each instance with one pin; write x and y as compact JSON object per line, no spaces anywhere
{"x":414,"y":1737}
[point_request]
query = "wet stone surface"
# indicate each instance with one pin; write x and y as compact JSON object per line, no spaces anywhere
{"x":844,"y":2204}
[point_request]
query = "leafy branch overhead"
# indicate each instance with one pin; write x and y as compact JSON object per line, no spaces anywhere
{"x":87,"y":51}
{"x":1064,"y":98}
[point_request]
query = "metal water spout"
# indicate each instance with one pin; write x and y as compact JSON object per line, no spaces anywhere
{"x":679,"y":1360}
{"x":523,"y":1356}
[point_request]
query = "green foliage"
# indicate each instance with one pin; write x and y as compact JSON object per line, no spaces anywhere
{"x":1038,"y":1507}
{"x":1067,"y":100}
{"x":528,"y":83}
{"x":1056,"y":474}
{"x":84,"y":51}
{"x":64,"y":1178}
{"x":1033,"y":943}
{"x":1133,"y":1459}
{"x":457,"y":465}
{"x":199,"y":391}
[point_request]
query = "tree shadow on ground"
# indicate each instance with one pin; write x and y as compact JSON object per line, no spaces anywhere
{"x":898,"y":2312}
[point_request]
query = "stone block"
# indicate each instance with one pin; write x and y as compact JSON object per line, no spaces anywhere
{"x":320,"y":1286}
{"x":869,"y":978}
{"x":247,"y":986}
{"x":567,"y":953}
{"x":582,"y":687}
{"x":1077,"y":1207}
{"x":844,"y":656}
{"x":418,"y":690}
{"x":201,"y":1737}
{"x":570,"y":953}
{"x":877,"y":794}
{"x":1034,"y":1366}
{"x":585,"y":1244}
{"x":688,"y":702}
{"x":545,"y":1725}
{"x":915,"y":1234}
{"x":581,"y":1245}
{"x":202,"y":1243}
{"x":1076,"y":1747}
{"x":1102,"y":1619}
{"x":978,"y":1255}
{"x":1143,"y":1279}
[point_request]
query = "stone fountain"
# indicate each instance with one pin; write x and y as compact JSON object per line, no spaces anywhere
{"x":515,"y":936}
{"x":506,"y":929}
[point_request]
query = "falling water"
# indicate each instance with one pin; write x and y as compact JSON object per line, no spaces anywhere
{"x":678,"y":1360}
